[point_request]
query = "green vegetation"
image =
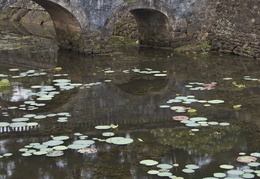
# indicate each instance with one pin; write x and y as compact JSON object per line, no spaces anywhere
{"x":132,"y":1}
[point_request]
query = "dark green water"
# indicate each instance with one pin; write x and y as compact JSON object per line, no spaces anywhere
{"x":122,"y":95}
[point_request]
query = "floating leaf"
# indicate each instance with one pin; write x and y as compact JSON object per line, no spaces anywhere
{"x":192,"y":166}
{"x":216,"y":101}
{"x":149,"y":162}
{"x":4,"y":124}
{"x":235,"y":172}
{"x":153,"y":172}
{"x":119,"y":140}
{"x":77,"y":146}
{"x":224,"y":124}
{"x":219,"y":175}
{"x":18,"y":124}
{"x":237,"y":106}
{"x":225,"y":166}
{"x":60,"y":147}
{"x":61,"y":138}
{"x":174,"y":108}
{"x":7,"y":154}
{"x":164,"y":106}
{"x":180,"y":118}
{"x":254,"y":164}
{"x":40,"y":153}
{"x":32,"y":124}
{"x":196,"y":119}
{"x":186,"y":170}
{"x":103,"y":127}
{"x":164,"y":166}
{"x":26,"y":154}
{"x":255,"y":154}
{"x":164,"y":174}
{"x":246,"y":159}
{"x":192,"y":110}
{"x":141,"y":140}
{"x":53,"y":142}
{"x":248,"y":175}
{"x":84,"y":142}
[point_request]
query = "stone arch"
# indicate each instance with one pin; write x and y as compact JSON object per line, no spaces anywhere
{"x":155,"y":22}
{"x":69,"y":20}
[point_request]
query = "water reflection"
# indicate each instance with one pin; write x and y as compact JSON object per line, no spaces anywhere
{"x":131,"y":100}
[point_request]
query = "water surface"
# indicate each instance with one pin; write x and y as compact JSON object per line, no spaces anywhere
{"x":121,"y":88}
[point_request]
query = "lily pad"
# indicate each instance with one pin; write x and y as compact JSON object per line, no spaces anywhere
{"x":165,"y":166}
{"x":84,"y":142}
{"x":164,"y":106}
{"x":60,"y":138}
{"x":180,"y":118}
{"x":235,"y":172}
{"x":149,"y":162}
{"x":7,"y":154}
{"x":153,"y":172}
{"x":103,"y":127}
{"x":255,"y":154}
{"x":32,"y":124}
{"x":198,"y":119}
{"x":216,"y":101}
{"x":119,"y":140}
{"x":164,"y":174}
{"x":4,"y":124}
{"x":192,"y":166}
{"x":254,"y":164}
{"x":186,"y":170}
{"x":219,"y":175}
{"x":18,"y":124}
{"x":23,"y":119}
{"x":53,"y":142}
{"x":27,"y":154}
{"x":60,"y":147}
{"x":40,"y":117}
{"x":246,"y":159}
{"x":108,"y":134}
{"x":225,"y":166}
{"x":40,"y":153}
{"x":77,"y":146}
{"x":248,"y":175}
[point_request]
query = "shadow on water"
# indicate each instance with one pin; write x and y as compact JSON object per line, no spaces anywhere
{"x":122,"y":88}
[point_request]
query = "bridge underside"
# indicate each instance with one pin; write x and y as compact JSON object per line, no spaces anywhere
{"x":74,"y":31}
{"x":153,"y":27}
{"x":67,"y":27}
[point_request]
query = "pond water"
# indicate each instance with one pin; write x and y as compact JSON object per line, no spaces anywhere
{"x":134,"y":93}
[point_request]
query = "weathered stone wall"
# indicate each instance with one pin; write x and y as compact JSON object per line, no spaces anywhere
{"x":230,"y":26}
{"x":236,"y":27}
{"x":126,"y":26}
{"x":27,"y":11}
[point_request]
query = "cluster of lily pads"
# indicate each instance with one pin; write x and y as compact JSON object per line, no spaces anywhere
{"x":201,"y":86}
{"x":39,"y":94}
{"x":248,"y":171}
{"x":164,"y":170}
{"x":194,"y":121}
{"x":31,"y":120}
{"x":56,"y":147}
{"x":198,"y":121}
{"x":147,"y":71}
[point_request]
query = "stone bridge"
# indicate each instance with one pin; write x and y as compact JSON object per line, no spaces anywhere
{"x":87,"y":25}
